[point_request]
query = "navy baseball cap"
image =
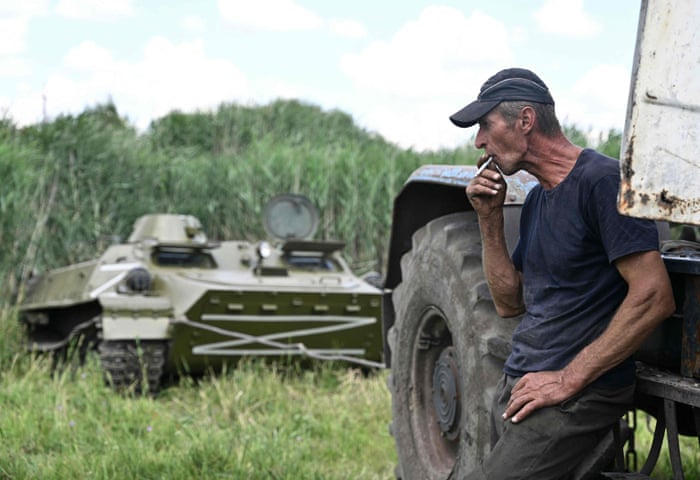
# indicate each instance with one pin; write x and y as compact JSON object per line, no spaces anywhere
{"x":509,"y":84}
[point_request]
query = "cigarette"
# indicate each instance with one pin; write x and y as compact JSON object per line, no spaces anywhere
{"x":483,"y":166}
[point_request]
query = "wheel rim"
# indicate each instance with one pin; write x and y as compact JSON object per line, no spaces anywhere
{"x":446,"y":394}
{"x":436,"y":393}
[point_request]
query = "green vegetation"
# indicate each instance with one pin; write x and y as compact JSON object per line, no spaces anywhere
{"x":257,"y":422}
{"x":74,"y":183}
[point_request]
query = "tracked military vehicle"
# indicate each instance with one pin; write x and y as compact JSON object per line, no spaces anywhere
{"x":171,"y":300}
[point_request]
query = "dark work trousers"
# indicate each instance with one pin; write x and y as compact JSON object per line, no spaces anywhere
{"x":551,"y":442}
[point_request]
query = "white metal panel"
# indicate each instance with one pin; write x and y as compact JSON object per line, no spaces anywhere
{"x":660,"y":164}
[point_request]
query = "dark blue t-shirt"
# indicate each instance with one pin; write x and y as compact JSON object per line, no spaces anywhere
{"x":569,"y":238}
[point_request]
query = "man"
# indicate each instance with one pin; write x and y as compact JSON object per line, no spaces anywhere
{"x":589,"y":282}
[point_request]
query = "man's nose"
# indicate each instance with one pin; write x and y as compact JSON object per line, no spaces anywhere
{"x":479,"y":141}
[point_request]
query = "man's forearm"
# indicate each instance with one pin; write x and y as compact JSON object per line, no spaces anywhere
{"x":628,"y":329}
{"x":501,"y":275}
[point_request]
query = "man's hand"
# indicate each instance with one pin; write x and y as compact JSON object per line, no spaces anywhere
{"x":487,"y":191}
{"x":536,"y":390}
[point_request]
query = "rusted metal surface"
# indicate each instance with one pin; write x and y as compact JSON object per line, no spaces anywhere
{"x":519,"y":184}
{"x":667,"y":385}
{"x":660,"y":165}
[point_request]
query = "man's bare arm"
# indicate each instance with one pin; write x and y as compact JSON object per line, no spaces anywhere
{"x":486,"y":193}
{"x":505,"y":282}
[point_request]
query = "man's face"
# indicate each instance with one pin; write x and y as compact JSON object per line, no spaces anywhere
{"x":505,"y":142}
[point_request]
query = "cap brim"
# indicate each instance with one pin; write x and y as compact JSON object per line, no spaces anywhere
{"x":471,"y":114}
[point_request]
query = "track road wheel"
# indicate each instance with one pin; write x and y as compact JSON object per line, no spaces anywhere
{"x":447,"y":351}
{"x":134,"y":365}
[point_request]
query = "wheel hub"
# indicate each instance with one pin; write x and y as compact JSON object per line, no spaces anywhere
{"x":446,"y":393}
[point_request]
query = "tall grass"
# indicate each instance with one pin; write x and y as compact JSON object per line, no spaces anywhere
{"x":75,"y":184}
{"x":252,"y":423}
{"x":257,"y":421}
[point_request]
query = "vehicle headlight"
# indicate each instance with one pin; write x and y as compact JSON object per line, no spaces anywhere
{"x":138,"y":280}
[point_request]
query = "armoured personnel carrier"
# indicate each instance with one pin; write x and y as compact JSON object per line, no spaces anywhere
{"x":172,"y":300}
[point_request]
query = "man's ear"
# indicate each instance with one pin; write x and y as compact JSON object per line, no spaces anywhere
{"x":526,"y":119}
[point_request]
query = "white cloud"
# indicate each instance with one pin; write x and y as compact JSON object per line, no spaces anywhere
{"x":421,"y":125}
{"x":90,"y":57}
{"x":602,"y":95}
{"x":566,"y":17}
{"x":193,"y":23}
{"x":13,"y":67}
{"x":94,"y":9}
{"x":179,"y":76}
{"x":268,"y":14}
{"x":606,"y":84}
{"x":169,"y":76}
{"x":429,"y":69}
{"x":24,"y":109}
{"x":14,"y":31}
{"x":597,"y":101}
{"x":28,"y":106}
{"x":269,"y":89}
{"x":347,"y":28}
{"x":441,"y":53}
{"x":24,"y":8}
{"x":284,"y":15}
{"x":63,"y":94}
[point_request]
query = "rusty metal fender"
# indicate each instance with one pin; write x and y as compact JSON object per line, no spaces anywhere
{"x":660,"y":169}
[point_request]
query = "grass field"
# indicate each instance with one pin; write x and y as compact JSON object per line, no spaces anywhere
{"x":257,"y":421}
{"x":254,"y":422}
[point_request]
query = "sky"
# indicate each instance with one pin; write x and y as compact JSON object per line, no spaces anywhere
{"x":398,"y":67}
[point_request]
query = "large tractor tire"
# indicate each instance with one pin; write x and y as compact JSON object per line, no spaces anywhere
{"x":447,"y":351}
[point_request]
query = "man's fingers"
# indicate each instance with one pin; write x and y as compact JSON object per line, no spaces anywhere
{"x":515,"y":404}
{"x":531,"y":392}
{"x":483,"y":187}
{"x":521,"y":407}
{"x":524,"y":412}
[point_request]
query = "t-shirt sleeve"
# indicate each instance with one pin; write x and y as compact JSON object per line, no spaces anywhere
{"x":621,"y":235}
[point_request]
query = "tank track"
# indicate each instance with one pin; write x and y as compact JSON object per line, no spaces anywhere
{"x":125,"y":363}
